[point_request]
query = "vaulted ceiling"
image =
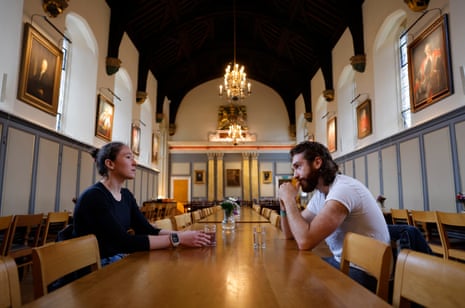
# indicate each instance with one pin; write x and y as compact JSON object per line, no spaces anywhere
{"x":282,"y":43}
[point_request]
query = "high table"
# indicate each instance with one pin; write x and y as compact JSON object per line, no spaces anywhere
{"x":247,"y":215}
{"x":232,"y":274}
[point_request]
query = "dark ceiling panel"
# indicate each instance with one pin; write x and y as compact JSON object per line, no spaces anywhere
{"x":282,"y":43}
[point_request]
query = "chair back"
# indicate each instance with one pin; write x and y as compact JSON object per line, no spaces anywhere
{"x":428,"y":280}
{"x":24,"y":235}
{"x":165,"y":224}
{"x":180,"y":221}
{"x":51,"y":262}
{"x":5,"y":228}
{"x":427,"y":222}
{"x":10,"y":292}
{"x":275,"y":219}
{"x":401,"y":216}
{"x":196,"y":216}
{"x":374,"y":256}
{"x":56,"y":221}
{"x":453,"y":248}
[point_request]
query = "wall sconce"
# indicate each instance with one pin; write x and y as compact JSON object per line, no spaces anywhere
{"x":54,"y":7}
{"x":417,"y":5}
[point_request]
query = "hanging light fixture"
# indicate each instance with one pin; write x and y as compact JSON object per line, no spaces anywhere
{"x":235,"y":86}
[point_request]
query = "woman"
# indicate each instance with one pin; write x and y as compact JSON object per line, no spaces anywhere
{"x":108,"y":211}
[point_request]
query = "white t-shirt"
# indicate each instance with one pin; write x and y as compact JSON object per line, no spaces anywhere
{"x":365,"y":217}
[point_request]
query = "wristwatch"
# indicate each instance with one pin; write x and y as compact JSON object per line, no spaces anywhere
{"x":174,"y":238}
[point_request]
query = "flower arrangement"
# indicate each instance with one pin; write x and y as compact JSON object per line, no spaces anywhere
{"x":230,"y":206}
{"x":460,"y":197}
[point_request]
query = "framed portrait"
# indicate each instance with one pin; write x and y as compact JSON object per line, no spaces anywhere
{"x":267,"y":177}
{"x":331,"y":127}
{"x":364,"y":125}
{"x":233,"y":177}
{"x":199,"y":176}
{"x":154,"y":148}
{"x":135,"y":139}
{"x":40,"y":74}
{"x":104,"y":118}
{"x":430,"y":74}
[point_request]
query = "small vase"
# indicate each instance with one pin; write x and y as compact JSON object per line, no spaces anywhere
{"x":228,"y":222}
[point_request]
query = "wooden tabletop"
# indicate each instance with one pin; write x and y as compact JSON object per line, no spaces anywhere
{"x":232,"y":274}
{"x":247,"y":215}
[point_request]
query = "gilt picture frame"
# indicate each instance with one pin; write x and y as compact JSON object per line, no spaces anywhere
{"x":430,"y":73}
{"x":267,"y":177}
{"x":104,"y":118}
{"x":331,"y":128}
{"x":233,"y":177}
{"x":199,"y":176}
{"x":135,"y":139}
{"x":364,"y":120}
{"x":40,"y":74}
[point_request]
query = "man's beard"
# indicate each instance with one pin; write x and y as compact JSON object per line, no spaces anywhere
{"x":309,"y":183}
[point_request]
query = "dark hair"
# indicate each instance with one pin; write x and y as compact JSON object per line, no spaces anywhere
{"x":311,"y":150}
{"x":108,"y":151}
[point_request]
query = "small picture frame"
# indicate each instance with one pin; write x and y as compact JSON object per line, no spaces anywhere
{"x":233,"y":177}
{"x":332,"y":134}
{"x":199,"y":176}
{"x":430,"y":73}
{"x":135,"y":139}
{"x":364,"y":124}
{"x":104,"y":118}
{"x":154,"y":148}
{"x":267,"y":177}
{"x":40,"y":74}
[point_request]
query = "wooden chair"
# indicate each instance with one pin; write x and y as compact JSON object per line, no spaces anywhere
{"x":24,"y":236}
{"x":401,"y":216}
{"x":428,"y":280}
{"x":10,"y":292}
{"x":275,"y":219}
{"x":51,"y":262}
{"x":56,"y":221}
{"x":196,"y":216}
{"x":150,"y":211}
{"x":165,"y":224}
{"x":5,"y":228}
{"x":180,"y":222}
{"x":426,"y":221}
{"x":453,"y":249}
{"x":374,"y":256}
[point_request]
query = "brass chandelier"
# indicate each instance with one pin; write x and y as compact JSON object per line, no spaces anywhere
{"x":235,"y":86}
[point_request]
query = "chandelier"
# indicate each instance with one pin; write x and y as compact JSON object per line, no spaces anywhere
{"x":235,"y":85}
{"x":235,"y":133}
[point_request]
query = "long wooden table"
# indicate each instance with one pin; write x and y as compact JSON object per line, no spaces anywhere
{"x":232,"y":274}
{"x":247,"y":215}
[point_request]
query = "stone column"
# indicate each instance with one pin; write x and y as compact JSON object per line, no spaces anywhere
{"x":255,"y":176}
{"x":211,"y":177}
{"x":245,"y":177}
{"x":219,"y":176}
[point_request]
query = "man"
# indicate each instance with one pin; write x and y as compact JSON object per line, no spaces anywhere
{"x":339,"y":205}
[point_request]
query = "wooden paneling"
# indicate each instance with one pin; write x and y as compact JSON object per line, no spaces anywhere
{"x":390,"y":182}
{"x":412,"y":189}
{"x":69,"y":170}
{"x":360,"y":169}
{"x":18,"y":172}
{"x":438,"y":161}
{"x":373,"y":173}
{"x":460,"y":140}
{"x":47,"y":170}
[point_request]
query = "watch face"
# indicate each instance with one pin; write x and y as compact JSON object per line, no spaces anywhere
{"x":175,"y":238}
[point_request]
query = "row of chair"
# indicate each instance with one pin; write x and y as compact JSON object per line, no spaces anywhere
{"x":158,"y":210}
{"x":50,"y":263}
{"x":420,"y":278}
{"x":182,"y":221}
{"x":20,"y":233}
{"x":436,"y":227}
{"x":271,"y":215}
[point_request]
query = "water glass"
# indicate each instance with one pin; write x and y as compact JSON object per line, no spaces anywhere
{"x":211,"y":231}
